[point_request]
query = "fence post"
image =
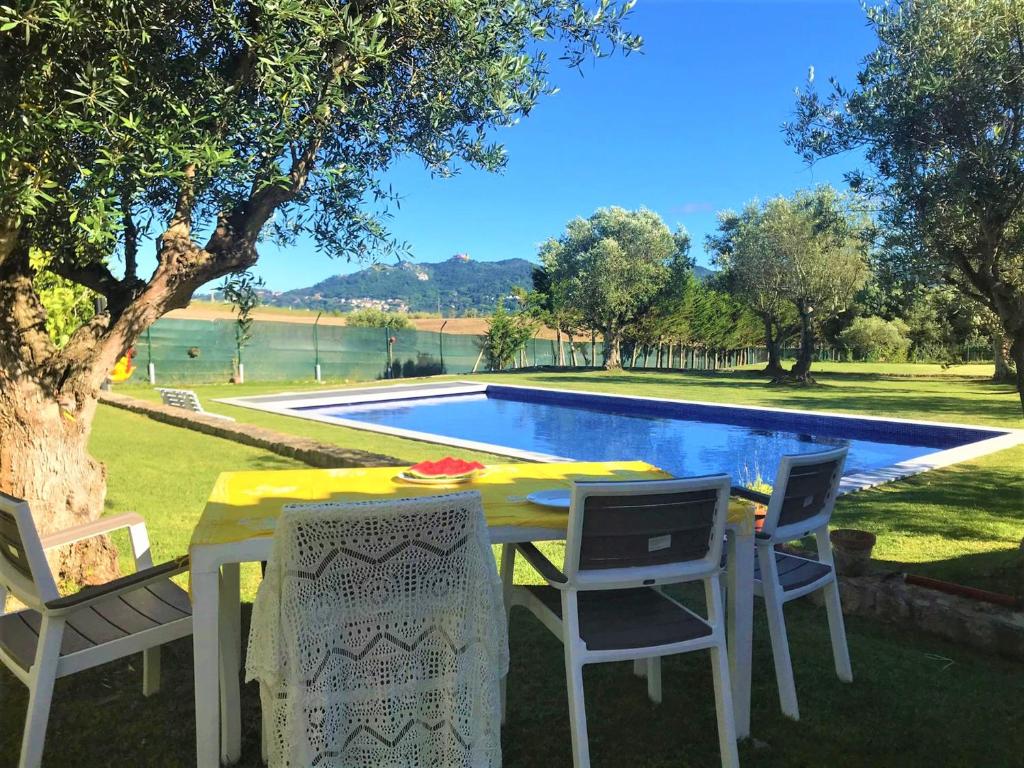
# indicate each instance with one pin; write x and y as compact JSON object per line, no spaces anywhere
{"x":316,"y":348}
{"x":440,"y":343}
{"x":150,"y":368}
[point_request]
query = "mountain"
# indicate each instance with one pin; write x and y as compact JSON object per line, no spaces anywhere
{"x":458,"y":283}
{"x":702,"y":273}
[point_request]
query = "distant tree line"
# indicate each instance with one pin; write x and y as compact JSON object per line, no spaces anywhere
{"x":802,"y":272}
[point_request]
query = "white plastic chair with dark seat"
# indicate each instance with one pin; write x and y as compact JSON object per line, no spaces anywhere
{"x":55,"y":636}
{"x":800,"y":505}
{"x":188,"y":400}
{"x":378,"y":636}
{"x":625,"y":541}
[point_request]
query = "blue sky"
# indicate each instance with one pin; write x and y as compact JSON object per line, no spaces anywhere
{"x":689,"y":127}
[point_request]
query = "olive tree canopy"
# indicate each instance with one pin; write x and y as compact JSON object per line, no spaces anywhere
{"x":938,"y":110}
{"x":200,"y":129}
{"x":614,"y":267}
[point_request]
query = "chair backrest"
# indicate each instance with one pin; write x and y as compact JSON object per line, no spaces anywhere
{"x":24,"y":571}
{"x":804,"y":493}
{"x":645,"y":532}
{"x":181,"y":398}
{"x":377,"y":619}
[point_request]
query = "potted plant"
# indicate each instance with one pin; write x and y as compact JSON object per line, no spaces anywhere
{"x":851,"y":550}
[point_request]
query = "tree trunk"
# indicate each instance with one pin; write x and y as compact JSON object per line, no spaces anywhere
{"x":774,"y":346}
{"x":611,"y":348}
{"x":1017,"y":353}
{"x":560,"y":360}
{"x":44,"y":459}
{"x":572,"y":350}
{"x":1004,"y":370}
{"x":802,"y":368}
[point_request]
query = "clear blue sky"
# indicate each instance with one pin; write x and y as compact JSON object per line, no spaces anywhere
{"x":689,"y":127}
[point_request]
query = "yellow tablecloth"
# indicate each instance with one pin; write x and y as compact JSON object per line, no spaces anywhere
{"x":243,"y":505}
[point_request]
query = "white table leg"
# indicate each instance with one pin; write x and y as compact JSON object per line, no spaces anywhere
{"x":205,"y":651}
{"x":508,"y":571}
{"x":231,"y":661}
{"x":740,"y":624}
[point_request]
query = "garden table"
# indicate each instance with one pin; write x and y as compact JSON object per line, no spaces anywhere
{"x":238,"y":522}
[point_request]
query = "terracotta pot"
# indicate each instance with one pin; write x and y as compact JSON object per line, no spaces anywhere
{"x":851,"y":550}
{"x":760,"y":513}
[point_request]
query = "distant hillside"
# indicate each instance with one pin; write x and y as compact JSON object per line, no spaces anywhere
{"x":458,"y":282}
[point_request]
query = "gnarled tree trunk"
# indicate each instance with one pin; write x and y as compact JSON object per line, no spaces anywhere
{"x":773,"y":343}
{"x":1002,"y":355}
{"x":802,"y":367}
{"x":612,"y":358}
{"x":44,"y":458}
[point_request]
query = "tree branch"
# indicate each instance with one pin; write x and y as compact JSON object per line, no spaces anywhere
{"x":131,"y":239}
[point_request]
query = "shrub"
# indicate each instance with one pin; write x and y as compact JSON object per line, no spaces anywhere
{"x":876,"y":340}
{"x":506,"y":335}
{"x":377,"y":318}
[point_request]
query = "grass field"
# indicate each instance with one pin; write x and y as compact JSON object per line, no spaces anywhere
{"x":963,"y":523}
{"x":915,"y":701}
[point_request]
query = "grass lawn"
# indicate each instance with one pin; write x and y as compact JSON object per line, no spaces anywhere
{"x":915,"y":701}
{"x":963,"y":523}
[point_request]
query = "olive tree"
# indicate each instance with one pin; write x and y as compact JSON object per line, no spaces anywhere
{"x":200,"y":129}
{"x":754,"y":268}
{"x":938,"y":111}
{"x":826,"y":245}
{"x":614,"y":267}
{"x":804,"y":256}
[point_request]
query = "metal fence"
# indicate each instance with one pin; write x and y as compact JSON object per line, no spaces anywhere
{"x":204,"y":351}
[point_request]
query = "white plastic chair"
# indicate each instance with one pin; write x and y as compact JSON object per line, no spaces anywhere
{"x":625,"y":541}
{"x":378,"y":636}
{"x":800,"y":505}
{"x":187,"y":400}
{"x":55,"y":636}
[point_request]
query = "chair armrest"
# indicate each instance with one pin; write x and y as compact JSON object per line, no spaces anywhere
{"x":119,"y":586}
{"x":746,"y":493}
{"x":131,"y":520}
{"x":541,"y":564}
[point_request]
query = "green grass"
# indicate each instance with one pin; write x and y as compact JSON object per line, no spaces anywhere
{"x":916,"y":701}
{"x":962,"y":524}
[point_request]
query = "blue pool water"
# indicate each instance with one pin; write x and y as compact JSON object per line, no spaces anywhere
{"x":685,"y":439}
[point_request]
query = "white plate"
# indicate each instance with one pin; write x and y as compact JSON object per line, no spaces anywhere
{"x":558,"y":498}
{"x":461,"y":480}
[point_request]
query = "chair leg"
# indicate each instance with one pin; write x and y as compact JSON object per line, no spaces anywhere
{"x":577,"y":712}
{"x":44,"y":673}
{"x":654,"y":679}
{"x":151,"y":671}
{"x":574,"y":680}
{"x":777,"y":630}
{"x":836,"y":627}
{"x":724,"y":708}
{"x":508,"y":572}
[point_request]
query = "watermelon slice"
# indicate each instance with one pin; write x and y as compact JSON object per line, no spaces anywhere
{"x":446,"y":468}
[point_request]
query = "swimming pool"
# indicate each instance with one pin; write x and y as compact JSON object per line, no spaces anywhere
{"x":685,"y":438}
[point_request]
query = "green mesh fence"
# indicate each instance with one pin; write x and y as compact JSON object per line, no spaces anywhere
{"x":203,"y":351}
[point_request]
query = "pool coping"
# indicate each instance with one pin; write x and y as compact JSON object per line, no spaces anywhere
{"x":1002,"y":437}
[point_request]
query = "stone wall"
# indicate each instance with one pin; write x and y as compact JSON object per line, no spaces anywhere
{"x":983,"y":626}
{"x":308,"y":451}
